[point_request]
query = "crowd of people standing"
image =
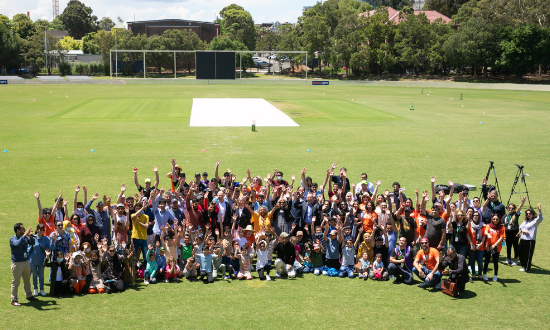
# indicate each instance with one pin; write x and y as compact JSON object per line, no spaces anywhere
{"x":212,"y":228}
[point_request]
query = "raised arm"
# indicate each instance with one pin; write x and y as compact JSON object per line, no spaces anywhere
{"x":54,"y":207}
{"x":136,"y":178}
{"x":521,"y":205}
{"x":359,"y":234}
{"x":156,"y":170}
{"x":303,"y":178}
{"x":329,"y":173}
{"x":120,"y":197}
{"x":433,"y":180}
{"x":216,"y":171}
{"x":75,"y":200}
{"x":451,"y":190}
{"x":325,"y":235}
{"x":375,"y":191}
{"x":423,"y":203}
{"x":174,"y":162}
{"x":40,"y":212}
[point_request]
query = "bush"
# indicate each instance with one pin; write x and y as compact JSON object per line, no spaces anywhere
{"x":65,"y":68}
{"x":106,"y":69}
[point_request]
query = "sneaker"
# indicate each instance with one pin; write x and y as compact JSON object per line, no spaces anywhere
{"x":515,"y":263}
{"x":42,"y":292}
{"x":495,"y":278}
{"x":507,"y":262}
{"x":277,"y":275}
{"x":35,"y":292}
{"x":224,"y":277}
{"x":423,"y":284}
{"x":470,"y":280}
{"x":438,"y":286}
{"x":146,"y":282}
{"x":167,"y":281}
{"x":267,"y":278}
{"x":485,"y":277}
{"x":522,"y":269}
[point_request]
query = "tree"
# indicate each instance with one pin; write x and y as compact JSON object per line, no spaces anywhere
{"x":524,"y":47}
{"x":22,"y":25}
{"x":90,"y":44}
{"x":10,"y":47}
{"x":290,"y":40}
{"x":224,"y":43}
{"x":33,"y":48}
{"x":105,"y":24}
{"x":78,"y":19}
{"x":156,"y":42}
{"x":69,"y":43}
{"x":183,"y":40}
{"x":57,"y":25}
{"x":5,"y":19}
{"x":395,"y":4}
{"x":238,"y":25}
{"x":314,"y":33}
{"x":445,"y":7}
{"x":412,"y":40}
{"x":476,"y":43}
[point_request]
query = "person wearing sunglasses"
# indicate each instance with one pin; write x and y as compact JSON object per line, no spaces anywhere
{"x":528,"y":235}
{"x":45,"y":216}
{"x":426,"y":265}
{"x":60,"y":239}
{"x":511,"y":226}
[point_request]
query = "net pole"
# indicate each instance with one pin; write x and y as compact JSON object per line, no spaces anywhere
{"x":110,"y":64}
{"x":144,"y":68}
{"x":175,"y":77}
{"x":306,"y":68}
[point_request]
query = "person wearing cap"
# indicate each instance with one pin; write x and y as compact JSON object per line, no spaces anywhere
{"x":176,"y":211}
{"x":458,"y":269}
{"x":426,"y":265}
{"x":148,"y":188}
{"x":363,"y":186}
{"x":286,"y":254}
{"x":199,"y":183}
{"x":401,"y":262}
{"x":407,"y":224}
{"x":102,"y":217}
{"x":205,"y":180}
{"x":333,"y":239}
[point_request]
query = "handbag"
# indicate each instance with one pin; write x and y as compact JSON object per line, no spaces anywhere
{"x":449,"y":288}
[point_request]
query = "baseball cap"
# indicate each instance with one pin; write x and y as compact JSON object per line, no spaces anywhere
{"x":120,"y":205}
{"x":99,"y":203}
{"x":424,"y":240}
{"x":161,"y":249}
{"x":204,"y":173}
{"x":197,"y":174}
{"x":147,"y":180}
{"x":333,"y":232}
{"x":407,"y":209}
{"x":283,"y":234}
{"x":363,"y":182}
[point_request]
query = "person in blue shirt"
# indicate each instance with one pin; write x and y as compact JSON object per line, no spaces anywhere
{"x":20,"y":265}
{"x":60,"y":239}
{"x":37,"y":251}
{"x":205,"y":260}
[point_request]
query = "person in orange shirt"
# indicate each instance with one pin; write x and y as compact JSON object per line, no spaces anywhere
{"x":476,"y":239}
{"x":494,"y":233}
{"x":45,"y":216}
{"x":369,"y":217}
{"x":426,"y":265}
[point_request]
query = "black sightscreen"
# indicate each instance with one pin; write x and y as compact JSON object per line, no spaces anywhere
{"x":205,"y":65}
{"x":225,"y":65}
{"x":215,"y":65}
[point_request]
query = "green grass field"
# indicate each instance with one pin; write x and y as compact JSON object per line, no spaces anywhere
{"x":49,"y":131}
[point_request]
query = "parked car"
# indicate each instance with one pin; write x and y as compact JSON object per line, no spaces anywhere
{"x":256,"y":58}
{"x":261,"y":64}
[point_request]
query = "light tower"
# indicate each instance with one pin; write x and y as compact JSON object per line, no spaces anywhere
{"x":55,"y":5}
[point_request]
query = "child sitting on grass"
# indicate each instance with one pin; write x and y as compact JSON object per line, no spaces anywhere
{"x":378,"y":271}
{"x":190,"y":270}
{"x":172,"y":270}
{"x":245,"y":263}
{"x":316,"y":258}
{"x":363,"y":267}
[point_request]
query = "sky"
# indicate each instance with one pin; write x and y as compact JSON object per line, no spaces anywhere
{"x":261,"y":11}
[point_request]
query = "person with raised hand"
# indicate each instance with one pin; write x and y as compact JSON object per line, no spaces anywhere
{"x":78,"y":207}
{"x":45,"y":216}
{"x":511,"y":225}
{"x":528,"y":236}
{"x":59,"y":284}
{"x":334,"y":239}
{"x":101,"y":215}
{"x":435,"y":225}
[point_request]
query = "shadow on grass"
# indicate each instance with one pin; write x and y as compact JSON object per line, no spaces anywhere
{"x":42,"y":304}
{"x":537,"y":270}
{"x":466,"y":294}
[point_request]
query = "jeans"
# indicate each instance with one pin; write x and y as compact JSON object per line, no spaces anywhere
{"x":346,"y":269}
{"x":462,"y":250}
{"x":38,"y":272}
{"x":476,"y":256}
{"x":397,"y":271}
{"x":139,"y":243}
{"x":436,"y":277}
{"x":264,"y":271}
{"x":208,"y":276}
{"x":146,"y":276}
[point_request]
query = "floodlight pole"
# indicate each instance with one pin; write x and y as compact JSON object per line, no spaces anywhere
{"x":306,"y":68}
{"x":46,"y":49}
{"x":116,"y":58}
{"x":111,"y":63}
{"x":144,"y":68}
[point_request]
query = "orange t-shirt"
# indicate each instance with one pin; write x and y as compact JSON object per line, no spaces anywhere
{"x":420,"y":231}
{"x":368,"y":220}
{"x":494,"y":235}
{"x":49,"y":226}
{"x":430,"y":260}
{"x":472,"y":234}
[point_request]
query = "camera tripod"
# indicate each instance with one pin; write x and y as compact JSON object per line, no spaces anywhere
{"x":491,"y":167}
{"x":519,"y":175}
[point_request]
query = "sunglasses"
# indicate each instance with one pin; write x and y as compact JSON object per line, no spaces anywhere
{"x":424,"y":243}
{"x":111,"y":250}
{"x":59,"y":226}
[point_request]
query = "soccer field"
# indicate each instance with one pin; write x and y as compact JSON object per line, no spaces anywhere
{"x":47,"y":133}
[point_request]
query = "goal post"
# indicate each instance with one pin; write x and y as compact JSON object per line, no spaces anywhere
{"x":169,"y":56}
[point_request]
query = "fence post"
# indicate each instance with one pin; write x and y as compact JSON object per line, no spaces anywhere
{"x":144,"y":67}
{"x":111,"y":63}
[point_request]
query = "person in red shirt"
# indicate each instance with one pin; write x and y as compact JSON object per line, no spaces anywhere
{"x":426,"y":265}
{"x":494,"y":234}
{"x":45,"y":216}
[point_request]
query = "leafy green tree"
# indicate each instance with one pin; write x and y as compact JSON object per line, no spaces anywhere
{"x":78,"y":19}
{"x":5,"y":19}
{"x":224,"y":43}
{"x":476,"y":43}
{"x":105,"y":24}
{"x":57,"y":25}
{"x":412,"y":41}
{"x":290,"y":40}
{"x":32,"y":50}
{"x":10,"y":47}
{"x":69,"y":43}
{"x":156,"y":42}
{"x":524,"y":47}
{"x":22,"y":25}
{"x":445,"y":7}
{"x":238,"y":25}
{"x":90,"y":44}
{"x":441,"y":31}
{"x":395,"y":4}
{"x":183,"y":40}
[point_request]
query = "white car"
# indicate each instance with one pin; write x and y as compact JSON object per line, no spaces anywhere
{"x":256,"y":59}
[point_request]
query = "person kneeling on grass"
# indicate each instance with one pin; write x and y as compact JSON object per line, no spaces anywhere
{"x":190,"y":270}
{"x":401,"y":262}
{"x":286,"y":254}
{"x":426,"y":265}
{"x":378,"y":271}
{"x":348,"y":259}
{"x":205,"y":260}
{"x":458,"y":269}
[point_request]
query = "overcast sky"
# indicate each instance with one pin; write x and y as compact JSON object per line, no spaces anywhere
{"x":262,"y":11}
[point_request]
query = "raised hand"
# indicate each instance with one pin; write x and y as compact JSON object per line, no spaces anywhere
{"x":333,"y":165}
{"x":122,"y":188}
{"x":77,"y":189}
{"x":416,"y":191}
{"x":65,"y":202}
{"x":484,"y":181}
{"x":155,"y":169}
{"x":217,"y":232}
{"x":433,"y":180}
{"x":304,"y":171}
{"x":36,"y":195}
{"x":95,"y":196}
{"x":293,"y":177}
{"x":135,"y":169}
{"x":386,"y":193}
{"x":174,"y":162}
{"x":451,"y":184}
{"x":218,"y":163}
{"x":96,"y":238}
{"x":538,"y":206}
{"x":84,"y":188}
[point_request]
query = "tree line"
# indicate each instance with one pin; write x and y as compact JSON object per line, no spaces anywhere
{"x":501,"y":36}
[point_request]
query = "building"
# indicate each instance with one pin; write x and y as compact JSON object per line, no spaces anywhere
{"x":205,"y":30}
{"x":393,"y":14}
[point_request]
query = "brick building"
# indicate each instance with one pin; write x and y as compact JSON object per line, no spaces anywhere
{"x":205,"y":30}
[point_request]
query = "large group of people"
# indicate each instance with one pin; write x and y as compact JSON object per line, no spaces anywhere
{"x":216,"y":228}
